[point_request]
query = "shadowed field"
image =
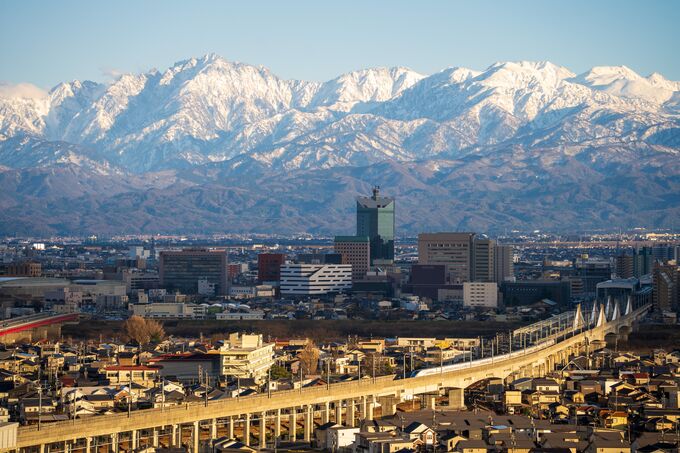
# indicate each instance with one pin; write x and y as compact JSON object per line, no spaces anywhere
{"x":318,"y":330}
{"x":647,"y":338}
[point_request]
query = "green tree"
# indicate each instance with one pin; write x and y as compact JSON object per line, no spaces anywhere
{"x":279,"y":372}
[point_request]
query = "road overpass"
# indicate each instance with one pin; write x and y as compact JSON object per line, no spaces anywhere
{"x":26,"y":326}
{"x":261,"y":418}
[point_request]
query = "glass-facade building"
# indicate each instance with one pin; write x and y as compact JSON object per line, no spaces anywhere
{"x":375,"y":219}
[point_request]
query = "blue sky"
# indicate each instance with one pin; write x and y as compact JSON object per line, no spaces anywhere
{"x":50,"y":41}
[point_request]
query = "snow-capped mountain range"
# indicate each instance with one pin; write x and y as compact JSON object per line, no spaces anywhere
{"x":211,"y":122}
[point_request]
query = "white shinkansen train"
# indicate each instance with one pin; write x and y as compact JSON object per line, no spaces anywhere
{"x":487,"y":360}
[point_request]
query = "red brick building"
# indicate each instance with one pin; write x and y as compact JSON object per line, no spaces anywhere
{"x":269,"y":266}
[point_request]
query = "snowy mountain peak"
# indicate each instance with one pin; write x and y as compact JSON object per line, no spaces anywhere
{"x":660,"y":81}
{"x":603,"y":75}
{"x":517,"y":74}
{"x":624,"y":82}
{"x":209,"y":109}
{"x":362,"y":86}
{"x":458,"y":74}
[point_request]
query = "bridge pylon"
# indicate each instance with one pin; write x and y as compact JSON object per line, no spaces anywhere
{"x":579,"y":320}
{"x":608,"y":308}
{"x":593,"y":314}
{"x":629,"y":306}
{"x":601,"y":317}
{"x":616,"y":314}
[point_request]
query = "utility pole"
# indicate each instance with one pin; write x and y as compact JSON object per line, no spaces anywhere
{"x":373,"y":366}
{"x":328,"y":373}
{"x":39,"y":404}
{"x":205,"y":388}
{"x":130,"y":395}
{"x":269,"y":382}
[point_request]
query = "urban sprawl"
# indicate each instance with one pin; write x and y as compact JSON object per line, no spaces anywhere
{"x":368,"y":343}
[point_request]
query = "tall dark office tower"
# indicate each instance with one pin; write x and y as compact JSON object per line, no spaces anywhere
{"x":180,"y":270}
{"x":643,"y":262}
{"x":504,"y":267}
{"x":483,"y":262}
{"x":375,"y":219}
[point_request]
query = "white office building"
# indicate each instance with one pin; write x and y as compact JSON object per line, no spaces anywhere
{"x":315,"y":279}
{"x":246,"y":356}
{"x":480,"y":294}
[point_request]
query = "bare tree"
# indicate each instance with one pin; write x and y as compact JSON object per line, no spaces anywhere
{"x":309,"y":358}
{"x":142,"y":331}
{"x":155,"y":329}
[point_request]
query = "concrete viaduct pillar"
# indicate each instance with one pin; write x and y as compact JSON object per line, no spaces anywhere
{"x":277,"y":424}
{"x":370,"y":406}
{"x":388,"y":405}
{"x":309,"y":422}
{"x":231,"y":428}
{"x":338,"y":412}
{"x":173,"y":436}
{"x":114,"y":442}
{"x":351,"y":416}
{"x":430,"y":401}
{"x":367,"y":407}
{"x":246,"y":431}
{"x":195,"y":437}
{"x":213,"y":428}
{"x":292,"y":425}
{"x":155,"y":438}
{"x":263,"y":430}
{"x":325,"y":416}
{"x":456,"y":399}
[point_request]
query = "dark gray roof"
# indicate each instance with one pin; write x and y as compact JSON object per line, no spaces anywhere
{"x":371,"y":203}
